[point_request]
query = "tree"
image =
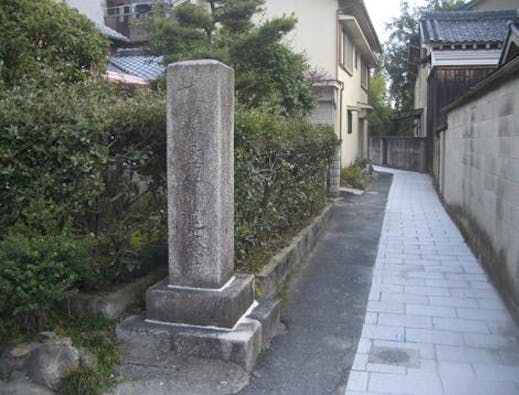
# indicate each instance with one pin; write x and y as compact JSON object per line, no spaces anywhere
{"x":39,"y":36}
{"x":379,"y":119}
{"x":404,"y":30}
{"x":267,"y":69}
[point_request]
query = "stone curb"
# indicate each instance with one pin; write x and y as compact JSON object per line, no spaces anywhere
{"x":271,"y":279}
{"x":114,"y":304}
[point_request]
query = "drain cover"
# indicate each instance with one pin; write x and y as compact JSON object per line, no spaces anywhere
{"x":394,"y":356}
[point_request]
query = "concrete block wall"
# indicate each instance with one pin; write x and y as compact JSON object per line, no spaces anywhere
{"x":400,"y":152}
{"x":480,"y":180}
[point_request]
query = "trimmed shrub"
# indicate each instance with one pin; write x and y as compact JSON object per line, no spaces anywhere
{"x":281,"y":168}
{"x":52,"y":149}
{"x":37,"y":273}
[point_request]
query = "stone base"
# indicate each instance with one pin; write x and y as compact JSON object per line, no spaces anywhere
{"x":199,"y":306}
{"x":159,"y":344}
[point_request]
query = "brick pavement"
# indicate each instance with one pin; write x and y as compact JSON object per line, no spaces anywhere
{"x":434,"y":322}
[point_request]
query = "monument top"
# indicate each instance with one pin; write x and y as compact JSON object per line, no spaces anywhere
{"x":199,"y":62}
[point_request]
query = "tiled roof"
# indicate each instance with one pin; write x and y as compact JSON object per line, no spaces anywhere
{"x":466,"y":26}
{"x":111,"y":33}
{"x":135,"y":63}
{"x":469,"y":5}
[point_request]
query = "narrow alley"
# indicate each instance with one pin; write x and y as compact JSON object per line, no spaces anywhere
{"x":434,"y":322}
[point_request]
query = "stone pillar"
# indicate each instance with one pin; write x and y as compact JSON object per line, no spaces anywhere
{"x":200,"y":174}
{"x":202,"y":288}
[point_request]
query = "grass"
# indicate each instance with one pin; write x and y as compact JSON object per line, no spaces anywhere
{"x":262,"y":254}
{"x":97,"y":335}
{"x":352,"y":176}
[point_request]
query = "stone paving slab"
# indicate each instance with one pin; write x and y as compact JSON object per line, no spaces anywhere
{"x":434,"y":324}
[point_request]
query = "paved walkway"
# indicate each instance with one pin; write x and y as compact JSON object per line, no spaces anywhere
{"x":325,"y":304}
{"x":434,"y":323}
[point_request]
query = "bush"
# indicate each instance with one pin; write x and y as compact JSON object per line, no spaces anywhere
{"x":281,"y":168}
{"x":82,"y":155}
{"x":37,"y":273}
{"x":39,"y":36}
{"x":352,"y":176}
{"x":129,"y":217}
{"x":52,"y":149}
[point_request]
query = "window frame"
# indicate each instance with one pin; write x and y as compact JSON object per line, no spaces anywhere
{"x":364,"y":75}
{"x":347,"y":55}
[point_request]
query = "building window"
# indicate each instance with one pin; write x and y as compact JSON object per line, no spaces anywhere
{"x":364,"y":75}
{"x":356,"y":59}
{"x":350,"y":122}
{"x":347,"y":52}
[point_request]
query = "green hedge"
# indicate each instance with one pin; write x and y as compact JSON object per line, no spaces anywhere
{"x":38,"y":272}
{"x":84,"y":162}
{"x":281,"y":169}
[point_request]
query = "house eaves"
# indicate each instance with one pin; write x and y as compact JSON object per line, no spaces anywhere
{"x":468,"y":6}
{"x":134,"y":62}
{"x":352,"y":27}
{"x":464,"y":57}
{"x":357,"y":9}
{"x":111,"y":33}
{"x":466,"y":27}
{"x":511,"y":45}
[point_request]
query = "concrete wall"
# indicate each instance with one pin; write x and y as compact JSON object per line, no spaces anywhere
{"x":479,"y":179}
{"x":400,"y":152}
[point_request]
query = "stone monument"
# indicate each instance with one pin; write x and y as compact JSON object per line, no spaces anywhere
{"x":203,"y":308}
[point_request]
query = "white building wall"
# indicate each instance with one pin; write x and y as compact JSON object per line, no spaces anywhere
{"x":317,"y":34}
{"x":352,"y":95}
{"x":315,"y":31}
{"x":93,"y":9}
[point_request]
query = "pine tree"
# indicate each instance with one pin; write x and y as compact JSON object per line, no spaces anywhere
{"x":267,"y":69}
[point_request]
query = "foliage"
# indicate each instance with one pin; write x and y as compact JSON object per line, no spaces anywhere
{"x":380,"y":118}
{"x":280,"y":176}
{"x":97,"y":335}
{"x":51,"y":151}
{"x":129,"y":217}
{"x":37,"y":272}
{"x":44,"y":35}
{"x":404,"y":29}
{"x":267,"y":70}
{"x":352,"y":176}
{"x":82,"y":155}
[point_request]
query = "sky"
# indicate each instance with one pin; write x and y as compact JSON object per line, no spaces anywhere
{"x":383,"y":11}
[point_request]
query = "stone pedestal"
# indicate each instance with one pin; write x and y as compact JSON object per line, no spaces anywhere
{"x":220,"y":308}
{"x":202,"y":309}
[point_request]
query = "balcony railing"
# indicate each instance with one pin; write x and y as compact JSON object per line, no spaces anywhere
{"x":129,"y":19}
